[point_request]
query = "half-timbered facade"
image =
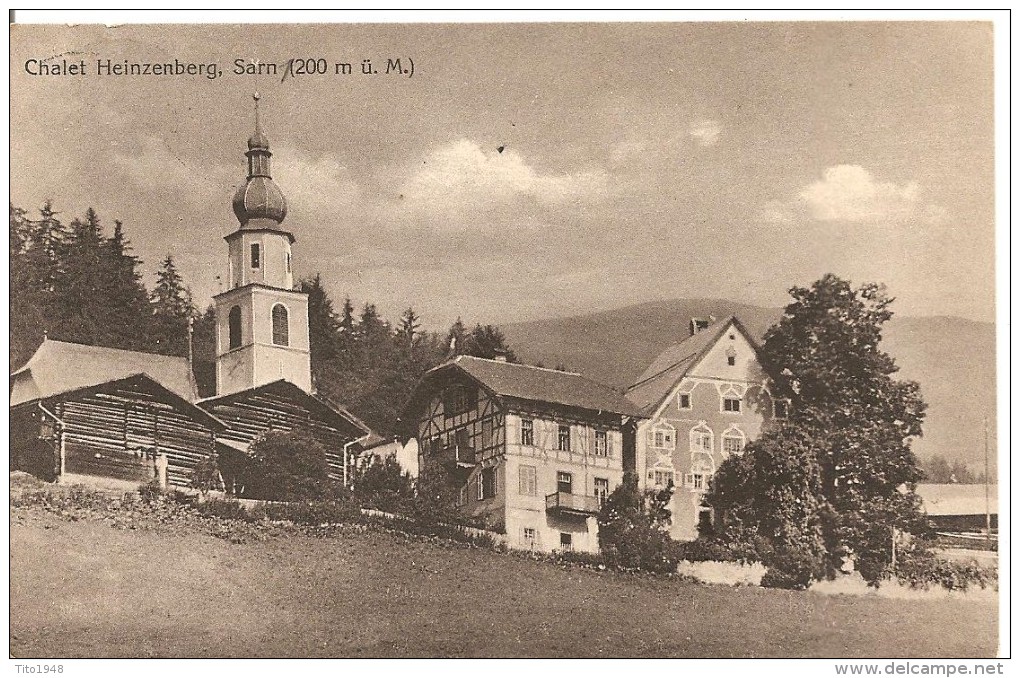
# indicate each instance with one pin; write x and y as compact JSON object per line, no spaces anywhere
{"x":533,"y":452}
{"x":704,"y":398}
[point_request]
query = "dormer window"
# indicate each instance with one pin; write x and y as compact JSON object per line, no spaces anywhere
{"x":256,"y":255}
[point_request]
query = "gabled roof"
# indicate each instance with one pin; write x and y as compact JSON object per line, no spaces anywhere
{"x":321,"y":406}
{"x":537,"y":384}
{"x":60,"y":367}
{"x":664,"y":374}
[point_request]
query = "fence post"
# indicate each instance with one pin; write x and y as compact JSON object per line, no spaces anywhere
{"x":161,"y":467}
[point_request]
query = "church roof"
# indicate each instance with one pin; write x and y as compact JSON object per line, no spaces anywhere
{"x":61,"y":367}
{"x":538,"y":384}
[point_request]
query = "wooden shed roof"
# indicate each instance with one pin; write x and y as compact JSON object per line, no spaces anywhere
{"x":60,"y":367}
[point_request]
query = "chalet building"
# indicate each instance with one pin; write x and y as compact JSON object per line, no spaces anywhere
{"x":95,"y":413}
{"x":703,"y":399}
{"x":533,"y":452}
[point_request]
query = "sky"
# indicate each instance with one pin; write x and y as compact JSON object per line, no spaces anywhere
{"x":528,"y":171}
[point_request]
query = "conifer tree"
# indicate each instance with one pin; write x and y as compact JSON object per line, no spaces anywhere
{"x":173,"y":310}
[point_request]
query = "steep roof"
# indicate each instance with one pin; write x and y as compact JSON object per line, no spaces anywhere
{"x":664,"y":374}
{"x":318,"y":405}
{"x":538,"y":384}
{"x":60,"y":367}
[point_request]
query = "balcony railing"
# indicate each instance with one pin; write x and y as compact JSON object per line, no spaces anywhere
{"x":457,"y":456}
{"x":575,"y":504}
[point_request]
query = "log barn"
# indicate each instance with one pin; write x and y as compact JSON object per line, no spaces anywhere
{"x":83,"y":412}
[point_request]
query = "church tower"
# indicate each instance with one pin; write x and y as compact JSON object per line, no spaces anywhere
{"x":261,"y":321}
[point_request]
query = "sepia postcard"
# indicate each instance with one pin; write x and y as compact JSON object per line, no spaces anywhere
{"x":513,"y":339}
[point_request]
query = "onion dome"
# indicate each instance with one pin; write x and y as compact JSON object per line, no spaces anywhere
{"x":259,"y":203}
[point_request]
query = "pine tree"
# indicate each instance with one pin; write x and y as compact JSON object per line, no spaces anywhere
{"x":409,"y":326}
{"x":456,"y":338}
{"x":323,"y":324}
{"x":126,"y":294}
{"x":173,"y":310}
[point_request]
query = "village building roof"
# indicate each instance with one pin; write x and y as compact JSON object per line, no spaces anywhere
{"x":953,"y":499}
{"x":667,"y":370}
{"x":59,"y":367}
{"x":536,"y":384}
{"x":314,"y":404}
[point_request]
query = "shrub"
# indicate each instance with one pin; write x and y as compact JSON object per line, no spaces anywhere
{"x":789,"y":569}
{"x":632,"y":529}
{"x":385,"y":486}
{"x":223,"y":508}
{"x":206,"y":475}
{"x":150,"y":491}
{"x":314,"y":513}
{"x":287,"y":467}
{"x":918,"y":567}
{"x":712,"y":550}
{"x":435,"y":496}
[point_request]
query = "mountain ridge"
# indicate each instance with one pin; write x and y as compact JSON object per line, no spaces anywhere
{"x":952,"y":358}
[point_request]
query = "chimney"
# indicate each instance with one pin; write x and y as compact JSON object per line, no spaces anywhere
{"x":698,"y":324}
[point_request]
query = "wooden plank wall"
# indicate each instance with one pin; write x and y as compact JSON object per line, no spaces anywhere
{"x":118,"y":433}
{"x":250,"y":415}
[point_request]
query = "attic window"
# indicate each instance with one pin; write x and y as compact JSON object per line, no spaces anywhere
{"x":684,"y":401}
{"x":731,"y":356}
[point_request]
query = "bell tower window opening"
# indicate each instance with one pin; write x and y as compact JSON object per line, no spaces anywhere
{"x":234,"y":326}
{"x":281,"y":328}
{"x":256,"y":255}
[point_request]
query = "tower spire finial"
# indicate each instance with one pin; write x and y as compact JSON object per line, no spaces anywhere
{"x":258,"y":122}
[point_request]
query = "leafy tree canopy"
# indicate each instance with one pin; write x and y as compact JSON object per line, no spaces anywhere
{"x":839,"y":473}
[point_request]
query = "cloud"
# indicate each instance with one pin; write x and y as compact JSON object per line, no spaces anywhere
{"x":319,"y":187}
{"x":850,"y":193}
{"x":705,"y":132}
{"x":462,"y":179}
{"x":157,"y":169}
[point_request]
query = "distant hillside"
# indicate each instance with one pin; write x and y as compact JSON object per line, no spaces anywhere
{"x":953,"y":359}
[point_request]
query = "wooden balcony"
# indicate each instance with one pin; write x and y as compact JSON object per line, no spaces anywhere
{"x":572,"y":504}
{"x":457,"y":457}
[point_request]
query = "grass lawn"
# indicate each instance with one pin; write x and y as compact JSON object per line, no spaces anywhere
{"x":84,"y":589}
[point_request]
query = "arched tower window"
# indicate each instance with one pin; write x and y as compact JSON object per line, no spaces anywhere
{"x":281,"y":326}
{"x":234,"y":323}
